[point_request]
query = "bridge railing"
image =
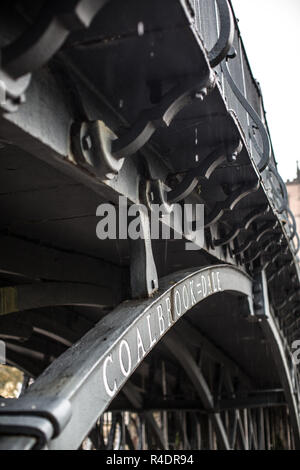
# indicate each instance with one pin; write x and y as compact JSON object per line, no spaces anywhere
{"x":243,"y":96}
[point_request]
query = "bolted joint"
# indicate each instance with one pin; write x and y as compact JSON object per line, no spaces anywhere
{"x":91,"y":144}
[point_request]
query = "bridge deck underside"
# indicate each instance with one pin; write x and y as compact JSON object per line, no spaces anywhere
{"x":115,"y":72}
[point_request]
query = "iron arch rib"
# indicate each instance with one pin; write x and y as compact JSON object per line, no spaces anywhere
{"x":94,"y":370}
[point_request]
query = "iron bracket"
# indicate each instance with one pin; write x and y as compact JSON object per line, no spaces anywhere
{"x":218,"y":156}
{"x":162,"y":114}
{"x":243,"y":225}
{"x":225,"y":40}
{"x":265,"y":154}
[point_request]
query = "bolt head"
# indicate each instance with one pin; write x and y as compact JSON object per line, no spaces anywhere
{"x":22,"y":98}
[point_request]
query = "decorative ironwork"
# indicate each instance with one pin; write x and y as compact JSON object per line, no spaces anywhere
{"x":226,"y":35}
{"x":242,"y":225}
{"x":256,"y":237}
{"x":162,"y":114}
{"x":204,"y":170}
{"x":46,"y":35}
{"x":265,"y":154}
{"x":230,"y":202}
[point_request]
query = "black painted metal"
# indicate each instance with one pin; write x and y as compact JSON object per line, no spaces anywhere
{"x":242,"y":225}
{"x":230,"y":202}
{"x":224,"y":43}
{"x":265,"y":154}
{"x":35,"y":47}
{"x":47,"y":34}
{"x":205,"y":170}
{"x":162,"y":114}
{"x":140,"y":84}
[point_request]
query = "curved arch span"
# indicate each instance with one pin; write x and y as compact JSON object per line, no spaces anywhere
{"x":93,"y":371}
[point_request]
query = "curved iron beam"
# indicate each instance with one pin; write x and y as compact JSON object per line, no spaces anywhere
{"x":298,"y":244}
{"x":94,"y":370}
{"x":278,"y":272}
{"x":225,"y":40}
{"x":45,"y":294}
{"x":46,"y":35}
{"x":285,"y":371}
{"x":136,"y":399}
{"x":96,"y":147}
{"x":12,"y":91}
{"x":264,"y":249}
{"x":177,"y":348}
{"x":284,"y":195}
{"x":256,"y":237}
{"x":266,"y":152}
{"x":162,"y":114}
{"x":272,"y":258}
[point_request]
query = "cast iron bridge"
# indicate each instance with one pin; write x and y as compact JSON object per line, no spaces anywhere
{"x":142,"y":344}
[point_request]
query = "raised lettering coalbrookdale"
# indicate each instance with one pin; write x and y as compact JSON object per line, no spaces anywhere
{"x":125,"y":356}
